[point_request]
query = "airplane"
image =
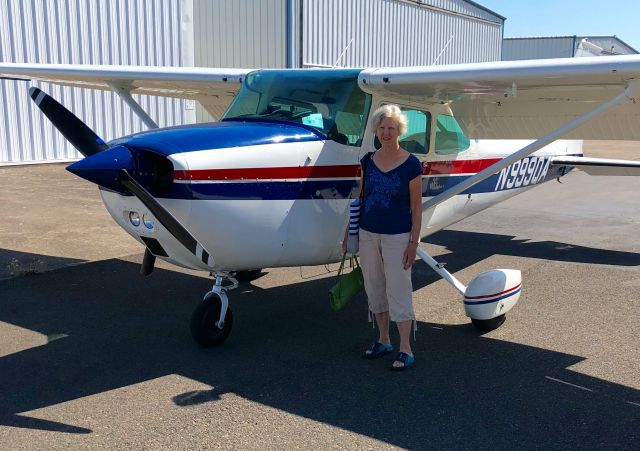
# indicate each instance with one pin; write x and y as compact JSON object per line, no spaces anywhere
{"x":270,"y":184}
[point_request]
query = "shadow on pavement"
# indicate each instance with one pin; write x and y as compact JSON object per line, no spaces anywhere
{"x":288,"y":350}
{"x":15,"y":264}
{"x":470,"y":247}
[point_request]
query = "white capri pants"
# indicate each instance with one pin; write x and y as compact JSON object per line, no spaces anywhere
{"x":387,"y":283}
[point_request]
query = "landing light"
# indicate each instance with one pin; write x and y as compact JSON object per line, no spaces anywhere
{"x":134,"y":218}
{"x":148,"y":222}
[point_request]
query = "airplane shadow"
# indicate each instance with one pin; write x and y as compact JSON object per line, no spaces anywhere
{"x":471,"y":247}
{"x":288,"y":350}
{"x":15,"y":263}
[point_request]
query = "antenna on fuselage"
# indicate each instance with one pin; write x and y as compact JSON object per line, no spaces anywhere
{"x":443,"y":49}
{"x":343,"y":52}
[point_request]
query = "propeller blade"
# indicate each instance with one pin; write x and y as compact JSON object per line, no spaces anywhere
{"x":148,"y":262}
{"x":165,"y":217}
{"x":72,"y":128}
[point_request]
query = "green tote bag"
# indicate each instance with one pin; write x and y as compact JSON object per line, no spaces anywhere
{"x":347,"y":285}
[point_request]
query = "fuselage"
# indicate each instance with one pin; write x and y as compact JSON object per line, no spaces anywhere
{"x":270,"y":184}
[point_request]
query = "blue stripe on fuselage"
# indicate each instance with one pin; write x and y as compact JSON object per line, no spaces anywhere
{"x":316,"y":189}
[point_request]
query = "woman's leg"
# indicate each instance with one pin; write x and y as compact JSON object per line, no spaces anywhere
{"x":399,"y":288}
{"x":374,"y":281}
{"x":382,"y":319}
{"x":404,"y":329}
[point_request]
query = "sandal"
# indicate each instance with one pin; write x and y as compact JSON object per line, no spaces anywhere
{"x":377,"y":350}
{"x":404,"y":358}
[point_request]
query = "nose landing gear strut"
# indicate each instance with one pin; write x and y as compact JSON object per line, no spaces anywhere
{"x":212,"y":320}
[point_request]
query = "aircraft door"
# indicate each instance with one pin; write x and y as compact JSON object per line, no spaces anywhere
{"x":417,"y":137}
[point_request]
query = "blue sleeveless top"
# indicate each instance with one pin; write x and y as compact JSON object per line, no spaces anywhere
{"x":386,"y":207}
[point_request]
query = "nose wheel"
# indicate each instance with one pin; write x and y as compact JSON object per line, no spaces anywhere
{"x":212,"y":320}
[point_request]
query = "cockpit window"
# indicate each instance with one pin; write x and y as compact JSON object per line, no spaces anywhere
{"x":327,"y":100}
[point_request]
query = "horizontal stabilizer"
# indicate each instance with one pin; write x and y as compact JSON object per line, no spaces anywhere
{"x":600,"y":166}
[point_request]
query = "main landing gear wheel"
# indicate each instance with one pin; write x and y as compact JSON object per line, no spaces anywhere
{"x":487,"y":325}
{"x":203,"y":323}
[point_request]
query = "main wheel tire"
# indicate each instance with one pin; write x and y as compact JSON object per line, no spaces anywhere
{"x":203,"y":323}
{"x":246,"y":276}
{"x":486,"y":325}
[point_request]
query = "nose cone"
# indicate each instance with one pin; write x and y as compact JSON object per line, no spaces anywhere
{"x":103,"y":168}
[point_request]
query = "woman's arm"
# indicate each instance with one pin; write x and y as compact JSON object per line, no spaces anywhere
{"x":415,"y":200}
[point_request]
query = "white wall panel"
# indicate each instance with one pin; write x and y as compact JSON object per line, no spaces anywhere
{"x":538,"y":48}
{"x":239,"y":33}
{"x":136,"y":32}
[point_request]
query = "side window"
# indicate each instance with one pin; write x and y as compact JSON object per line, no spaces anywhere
{"x":416,"y":139}
{"x":348,"y":128}
{"x":450,"y":138}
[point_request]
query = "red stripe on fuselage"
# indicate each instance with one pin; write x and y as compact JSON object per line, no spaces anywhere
{"x":311,"y":172}
{"x":305,"y":172}
{"x":458,"y":166}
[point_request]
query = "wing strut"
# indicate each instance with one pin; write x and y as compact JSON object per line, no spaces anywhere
{"x":124,"y":93}
{"x":439,"y":268}
{"x":631,"y":92}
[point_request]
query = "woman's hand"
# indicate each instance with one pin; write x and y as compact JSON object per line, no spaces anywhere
{"x":409,"y":255}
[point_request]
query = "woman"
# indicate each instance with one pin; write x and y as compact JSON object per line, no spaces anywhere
{"x":390,"y":221}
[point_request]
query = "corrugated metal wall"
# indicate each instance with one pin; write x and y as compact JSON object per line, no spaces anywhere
{"x":137,"y":32}
{"x":558,"y":47}
{"x":360,"y":33}
{"x":215,"y":33}
{"x":255,"y":33}
{"x":537,"y":48}
{"x":239,"y":33}
{"x":351,"y":33}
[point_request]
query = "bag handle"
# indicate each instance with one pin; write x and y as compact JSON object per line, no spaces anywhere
{"x":344,"y":256}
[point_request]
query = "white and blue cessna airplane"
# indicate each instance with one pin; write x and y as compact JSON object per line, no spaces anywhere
{"x":270,"y":184}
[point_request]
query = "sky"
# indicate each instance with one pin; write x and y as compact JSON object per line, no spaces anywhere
{"x":569,"y":17}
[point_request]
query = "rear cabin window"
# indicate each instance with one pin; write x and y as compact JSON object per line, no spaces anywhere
{"x":450,"y":138}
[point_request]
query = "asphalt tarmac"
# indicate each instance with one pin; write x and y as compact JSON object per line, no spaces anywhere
{"x":92,"y":355}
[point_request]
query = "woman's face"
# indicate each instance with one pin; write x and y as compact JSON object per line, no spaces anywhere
{"x":387,"y":131}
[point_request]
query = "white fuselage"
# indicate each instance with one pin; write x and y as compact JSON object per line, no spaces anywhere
{"x":277,"y":229}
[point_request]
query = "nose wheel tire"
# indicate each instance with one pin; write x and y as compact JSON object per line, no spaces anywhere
{"x":487,"y":325}
{"x":203,"y":323}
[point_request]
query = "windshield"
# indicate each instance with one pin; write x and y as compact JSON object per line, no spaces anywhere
{"x":328,"y":100}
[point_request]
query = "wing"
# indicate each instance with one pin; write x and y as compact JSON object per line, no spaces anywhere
{"x":600,"y":166}
{"x":213,"y":88}
{"x":522,"y":99}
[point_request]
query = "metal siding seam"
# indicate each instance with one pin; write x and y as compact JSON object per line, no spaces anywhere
{"x":259,"y":46}
{"x":27,"y":47}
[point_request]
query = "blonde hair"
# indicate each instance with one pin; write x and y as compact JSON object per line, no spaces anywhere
{"x":392,"y":111}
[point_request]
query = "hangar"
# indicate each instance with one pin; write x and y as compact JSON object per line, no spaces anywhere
{"x":218,"y":33}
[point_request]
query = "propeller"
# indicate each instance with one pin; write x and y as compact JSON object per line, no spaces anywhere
{"x":72,"y":128}
{"x":112,"y":167}
{"x":166,"y":219}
